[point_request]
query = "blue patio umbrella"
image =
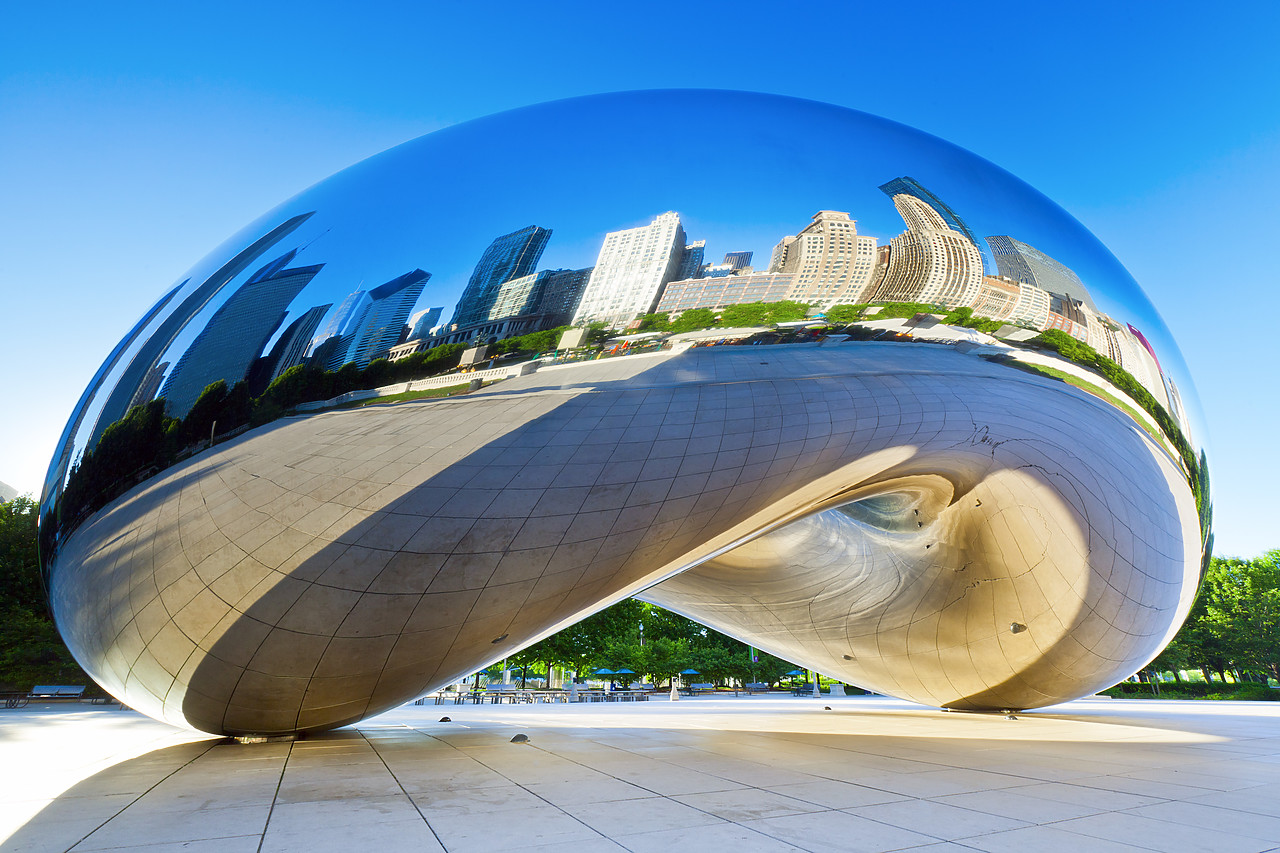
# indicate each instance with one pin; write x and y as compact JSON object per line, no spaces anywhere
{"x":689,"y":672}
{"x":624,"y":671}
{"x":796,"y":672}
{"x":603,"y":671}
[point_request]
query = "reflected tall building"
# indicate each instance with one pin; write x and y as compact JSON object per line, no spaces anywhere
{"x":135,"y":375}
{"x":382,"y":321}
{"x":236,"y":334}
{"x":510,"y":256}
{"x":291,"y":348}
{"x":1022,"y":262}
{"x":829,"y":261}
{"x":633,"y":267}
{"x":561,"y":295}
{"x":426,"y":321}
{"x":550,"y":292}
{"x":691,"y":259}
{"x":930,"y":262}
{"x":910,"y":186}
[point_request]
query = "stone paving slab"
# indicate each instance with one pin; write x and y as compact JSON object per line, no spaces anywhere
{"x":751,"y":774}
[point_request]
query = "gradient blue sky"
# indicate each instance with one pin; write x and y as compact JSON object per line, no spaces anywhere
{"x":135,"y":137}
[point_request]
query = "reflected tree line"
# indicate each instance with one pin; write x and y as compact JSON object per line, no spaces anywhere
{"x":147,"y":440}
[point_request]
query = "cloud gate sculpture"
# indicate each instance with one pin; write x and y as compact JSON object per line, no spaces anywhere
{"x":918,"y":430}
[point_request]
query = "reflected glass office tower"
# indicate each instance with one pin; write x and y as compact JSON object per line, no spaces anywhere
{"x":236,"y":334}
{"x":691,"y":260}
{"x":1021,"y":262}
{"x":998,"y":519}
{"x":382,"y":321}
{"x":428,"y":321}
{"x":510,"y":256}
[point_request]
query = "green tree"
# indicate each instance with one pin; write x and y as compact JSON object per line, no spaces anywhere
{"x":694,"y":319}
{"x":1242,"y":602}
{"x":654,"y":323}
{"x":31,"y":652}
{"x":843,"y":315}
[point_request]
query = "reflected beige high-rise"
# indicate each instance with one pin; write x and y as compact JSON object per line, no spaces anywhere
{"x":929,"y":262}
{"x":831,"y":262}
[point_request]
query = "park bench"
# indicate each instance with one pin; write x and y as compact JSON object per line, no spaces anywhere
{"x":56,"y":691}
{"x":15,"y":700}
{"x":705,"y":687}
{"x":757,"y":687}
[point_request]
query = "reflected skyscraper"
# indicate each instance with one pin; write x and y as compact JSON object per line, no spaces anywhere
{"x":930,"y":261}
{"x":236,"y":334}
{"x":1021,"y":262}
{"x":633,"y":267}
{"x":829,"y":261}
{"x":291,"y":347}
{"x":428,"y":320}
{"x":910,"y":186}
{"x":561,"y":294}
{"x":150,"y":353}
{"x":379,"y":327}
{"x":509,"y":256}
{"x":691,"y":260}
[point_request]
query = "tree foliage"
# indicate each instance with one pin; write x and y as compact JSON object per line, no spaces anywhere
{"x":31,"y":652}
{"x":1234,"y":625}
{"x":611,"y":639}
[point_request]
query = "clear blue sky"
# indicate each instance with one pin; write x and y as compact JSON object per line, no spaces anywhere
{"x":135,"y":137}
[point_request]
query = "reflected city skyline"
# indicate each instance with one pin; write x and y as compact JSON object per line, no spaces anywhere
{"x":922,"y":311}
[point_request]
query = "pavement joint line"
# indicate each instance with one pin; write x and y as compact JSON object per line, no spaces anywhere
{"x":400,"y":785}
{"x":284,"y":766}
{"x":125,"y":807}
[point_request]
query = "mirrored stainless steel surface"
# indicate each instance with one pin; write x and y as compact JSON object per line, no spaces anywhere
{"x":918,"y":429}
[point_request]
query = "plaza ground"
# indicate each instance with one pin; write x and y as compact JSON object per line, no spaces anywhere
{"x":707,"y":774}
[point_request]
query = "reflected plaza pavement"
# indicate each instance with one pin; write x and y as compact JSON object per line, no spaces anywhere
{"x":751,"y":774}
